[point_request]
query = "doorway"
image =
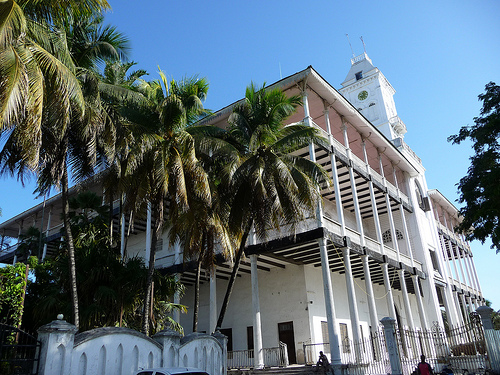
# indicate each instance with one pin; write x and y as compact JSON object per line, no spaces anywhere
{"x":285,"y":335}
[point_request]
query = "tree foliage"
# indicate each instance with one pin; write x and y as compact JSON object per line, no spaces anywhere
{"x":13,"y":283}
{"x":110,"y":289}
{"x":480,"y":188}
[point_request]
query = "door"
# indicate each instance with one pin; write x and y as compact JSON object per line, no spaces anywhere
{"x":285,"y":334}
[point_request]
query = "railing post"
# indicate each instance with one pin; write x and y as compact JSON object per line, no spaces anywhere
{"x":57,"y":339}
{"x":392,"y":345}
{"x":491,"y":336}
{"x":283,"y":349}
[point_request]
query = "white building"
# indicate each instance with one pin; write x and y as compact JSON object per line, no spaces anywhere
{"x":383,"y":244}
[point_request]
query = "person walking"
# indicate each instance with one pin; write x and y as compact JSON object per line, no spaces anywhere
{"x":423,"y":367}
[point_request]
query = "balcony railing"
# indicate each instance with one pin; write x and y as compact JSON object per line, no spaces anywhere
{"x":361,"y":166}
{"x":273,"y":357}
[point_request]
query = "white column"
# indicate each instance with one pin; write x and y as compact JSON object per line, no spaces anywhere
{"x":467,"y":271}
{"x":464,"y":306}
{"x":213,"y":300}
{"x":14,"y":261}
{"x":148,"y":234}
{"x":331,"y":318}
{"x":177,"y":298}
{"x":474,"y":303}
{"x":49,"y":220}
{"x":452,"y":251}
{"x":471,"y":271}
{"x":461,"y":318}
{"x":402,"y":281}
{"x":312,"y":155}
{"x":372,"y":306}
{"x":385,"y":267}
{"x":453,"y":311}
{"x":388,"y":290}
{"x":406,"y":299}
{"x":475,"y":274}
{"x":122,"y":235}
{"x":365,"y":259}
{"x":335,"y":177}
{"x":351,"y":297}
{"x":461,"y":267}
{"x":357,"y":212}
{"x":420,"y":303}
{"x":257,"y":331}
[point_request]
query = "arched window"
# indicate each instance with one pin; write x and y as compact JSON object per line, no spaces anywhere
{"x":420,"y":196}
{"x":387,"y":237}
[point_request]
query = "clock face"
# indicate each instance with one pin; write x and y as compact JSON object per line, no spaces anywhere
{"x":363,"y":95}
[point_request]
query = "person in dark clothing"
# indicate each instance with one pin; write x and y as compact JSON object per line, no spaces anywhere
{"x":423,"y":367}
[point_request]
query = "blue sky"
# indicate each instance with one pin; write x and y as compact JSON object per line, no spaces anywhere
{"x":438,"y":55}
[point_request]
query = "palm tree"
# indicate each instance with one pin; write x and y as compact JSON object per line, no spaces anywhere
{"x":27,"y":39}
{"x":204,"y":235}
{"x":116,"y":86}
{"x":166,"y":168}
{"x":52,"y":116}
{"x":268,"y":186}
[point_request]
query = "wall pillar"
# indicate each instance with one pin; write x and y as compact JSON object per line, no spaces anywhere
{"x":491,"y":336}
{"x":392,"y":345}
{"x":57,"y":339}
{"x":168,"y":338}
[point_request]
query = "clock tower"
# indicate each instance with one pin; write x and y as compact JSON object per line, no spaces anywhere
{"x":367,"y":89}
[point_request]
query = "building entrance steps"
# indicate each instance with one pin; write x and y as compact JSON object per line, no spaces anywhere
{"x":290,"y":370}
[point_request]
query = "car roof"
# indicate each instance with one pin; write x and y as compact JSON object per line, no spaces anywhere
{"x":175,"y":370}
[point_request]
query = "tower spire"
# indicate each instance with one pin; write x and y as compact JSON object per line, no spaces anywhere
{"x":362,"y":41}
{"x":352,"y":51}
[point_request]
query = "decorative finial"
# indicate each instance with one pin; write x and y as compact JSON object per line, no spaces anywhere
{"x":60,"y":316}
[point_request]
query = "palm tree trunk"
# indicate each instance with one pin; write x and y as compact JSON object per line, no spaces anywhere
{"x":110,"y":200}
{"x":158,"y":220}
{"x":197,"y":290}
{"x":232,"y":279}
{"x":71,"y":248}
